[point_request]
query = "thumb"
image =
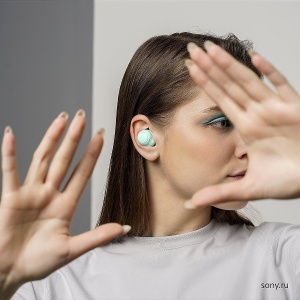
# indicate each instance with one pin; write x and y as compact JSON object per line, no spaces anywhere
{"x":217,"y":195}
{"x":99,"y":236}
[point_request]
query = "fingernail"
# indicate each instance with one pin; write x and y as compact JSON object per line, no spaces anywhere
{"x":64,"y":115}
{"x":251,"y":52}
{"x":189,"y":204}
{"x":208,"y":44}
{"x":189,"y":63}
{"x":191,"y":46}
{"x":101,"y":131}
{"x":126,"y":229}
{"x":7,"y":129}
{"x":81,"y":113}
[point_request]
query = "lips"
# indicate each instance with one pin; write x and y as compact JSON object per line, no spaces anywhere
{"x":238,"y":175}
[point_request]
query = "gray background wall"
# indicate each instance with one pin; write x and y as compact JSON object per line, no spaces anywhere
{"x":120,"y":27}
{"x":46,"y":50}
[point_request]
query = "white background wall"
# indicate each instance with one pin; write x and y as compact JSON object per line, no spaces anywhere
{"x":120,"y":27}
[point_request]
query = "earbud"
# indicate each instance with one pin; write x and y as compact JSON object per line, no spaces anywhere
{"x":145,"y":138}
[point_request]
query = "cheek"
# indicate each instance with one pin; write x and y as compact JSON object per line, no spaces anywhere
{"x":208,"y":152}
{"x":193,"y":162}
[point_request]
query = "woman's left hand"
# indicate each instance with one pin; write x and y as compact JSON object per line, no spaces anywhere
{"x":268,"y":121}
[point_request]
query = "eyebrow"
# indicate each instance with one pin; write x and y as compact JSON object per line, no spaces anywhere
{"x":212,"y":108}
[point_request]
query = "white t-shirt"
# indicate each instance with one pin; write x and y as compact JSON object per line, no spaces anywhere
{"x":216,"y":262}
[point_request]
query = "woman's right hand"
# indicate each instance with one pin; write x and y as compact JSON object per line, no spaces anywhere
{"x":35,"y":217}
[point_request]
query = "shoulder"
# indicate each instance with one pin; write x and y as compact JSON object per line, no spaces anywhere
{"x":286,"y":237}
{"x":279,"y":240}
{"x":279,"y":232}
{"x":267,"y":234}
{"x":265,"y":229}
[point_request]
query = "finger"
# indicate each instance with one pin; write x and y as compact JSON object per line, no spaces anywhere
{"x":231,"y":205}
{"x":101,"y":235}
{"x":10,"y":177}
{"x":284,"y":89}
{"x":222,"y":193}
{"x":39,"y":165}
{"x":218,"y":76}
{"x":63,"y":157}
{"x":245,"y":77}
{"x":84,"y":169}
{"x":229,"y":107}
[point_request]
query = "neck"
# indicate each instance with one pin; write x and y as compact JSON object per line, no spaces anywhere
{"x":168,"y":214}
{"x":166,"y":222}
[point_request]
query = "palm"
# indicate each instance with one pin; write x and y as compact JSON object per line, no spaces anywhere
{"x":40,"y":221}
{"x":268,"y":122}
{"x":35,"y":217}
{"x":273,"y":144}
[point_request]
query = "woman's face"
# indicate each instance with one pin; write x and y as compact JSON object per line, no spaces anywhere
{"x":200,"y":148}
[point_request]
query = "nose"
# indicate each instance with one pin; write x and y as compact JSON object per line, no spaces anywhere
{"x":240,"y":146}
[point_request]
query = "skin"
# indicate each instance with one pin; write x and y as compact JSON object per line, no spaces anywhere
{"x":269,"y":123}
{"x":198,"y":148}
{"x":35,"y":216}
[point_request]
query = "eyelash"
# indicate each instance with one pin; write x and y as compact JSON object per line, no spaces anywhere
{"x":220,"y":120}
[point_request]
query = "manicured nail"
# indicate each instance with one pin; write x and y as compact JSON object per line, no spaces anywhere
{"x":64,"y":115}
{"x":189,"y":63}
{"x":251,"y":52}
{"x":208,"y":44}
{"x":81,"y":113}
{"x":189,"y":204}
{"x":191,"y":46}
{"x":7,"y":129}
{"x":126,"y":229}
{"x":101,"y":131}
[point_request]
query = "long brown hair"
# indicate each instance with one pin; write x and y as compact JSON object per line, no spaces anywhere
{"x":155,"y":83}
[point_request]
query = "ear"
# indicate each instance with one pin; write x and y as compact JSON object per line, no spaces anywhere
{"x":139,"y":123}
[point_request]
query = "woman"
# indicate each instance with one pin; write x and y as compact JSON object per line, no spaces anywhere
{"x":171,"y":140}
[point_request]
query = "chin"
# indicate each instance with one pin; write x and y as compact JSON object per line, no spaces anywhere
{"x":231,"y":205}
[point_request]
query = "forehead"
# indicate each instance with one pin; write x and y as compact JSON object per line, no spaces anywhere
{"x":195,"y":107}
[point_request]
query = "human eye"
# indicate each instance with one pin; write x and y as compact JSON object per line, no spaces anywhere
{"x":221,"y":122}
